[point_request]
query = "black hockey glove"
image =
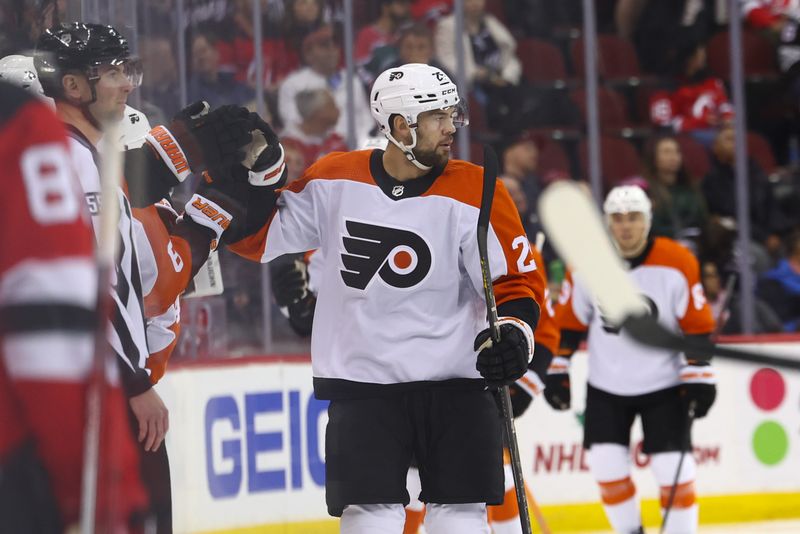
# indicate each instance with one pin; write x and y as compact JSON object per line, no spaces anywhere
{"x":698,"y":388}
{"x":289,"y":281}
{"x":502,"y":363}
{"x":245,"y":190}
{"x":557,"y":389}
{"x":212,"y":139}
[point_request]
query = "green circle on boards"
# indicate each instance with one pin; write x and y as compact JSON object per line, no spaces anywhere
{"x":770,"y":443}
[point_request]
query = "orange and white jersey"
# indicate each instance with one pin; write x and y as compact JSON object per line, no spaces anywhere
{"x":547,"y":333}
{"x":668,"y":275}
{"x":400,"y":293}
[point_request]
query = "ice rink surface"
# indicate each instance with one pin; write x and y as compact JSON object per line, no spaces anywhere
{"x":766,"y":527}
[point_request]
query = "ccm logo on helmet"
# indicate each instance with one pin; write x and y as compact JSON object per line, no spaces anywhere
{"x":400,"y":258}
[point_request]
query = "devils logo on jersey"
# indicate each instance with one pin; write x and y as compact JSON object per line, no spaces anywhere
{"x":401,"y":258}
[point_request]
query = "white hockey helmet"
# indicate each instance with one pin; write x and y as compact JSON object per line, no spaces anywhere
{"x":20,"y":71}
{"x":409,"y":90}
{"x":628,"y":199}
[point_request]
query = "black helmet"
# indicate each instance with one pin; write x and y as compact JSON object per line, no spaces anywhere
{"x":81,"y":47}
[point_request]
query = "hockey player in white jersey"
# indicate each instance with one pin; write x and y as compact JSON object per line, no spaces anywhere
{"x":400,"y":340}
{"x":627,"y":379}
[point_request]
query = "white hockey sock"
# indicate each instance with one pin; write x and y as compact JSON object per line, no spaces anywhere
{"x":683,"y":516}
{"x":610,"y":466}
{"x":462,"y":518}
{"x":373,"y":519}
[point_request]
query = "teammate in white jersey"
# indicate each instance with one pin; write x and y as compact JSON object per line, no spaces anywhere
{"x":627,"y":379}
{"x":400,"y":313}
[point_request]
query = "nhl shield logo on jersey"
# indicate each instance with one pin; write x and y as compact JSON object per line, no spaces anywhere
{"x":400,"y":258}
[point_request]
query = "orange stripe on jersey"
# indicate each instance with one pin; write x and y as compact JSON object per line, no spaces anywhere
{"x":697,"y":318}
{"x":685,"y":495}
{"x":173,"y":261}
{"x":617,"y":491}
{"x":252,"y":246}
{"x":564,"y":315}
{"x":352,"y":166}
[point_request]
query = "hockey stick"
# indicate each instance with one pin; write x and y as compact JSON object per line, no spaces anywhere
{"x":575,"y":228}
{"x":490,"y":167}
{"x":720,"y":319}
{"x":110,"y":175}
{"x":686,"y":446}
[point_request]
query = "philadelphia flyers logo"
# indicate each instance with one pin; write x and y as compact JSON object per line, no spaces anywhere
{"x":400,"y":258}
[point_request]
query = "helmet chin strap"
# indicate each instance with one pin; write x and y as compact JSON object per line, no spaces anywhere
{"x":408,"y":149}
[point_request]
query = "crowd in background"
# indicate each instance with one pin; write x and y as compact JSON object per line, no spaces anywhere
{"x":665,"y":110}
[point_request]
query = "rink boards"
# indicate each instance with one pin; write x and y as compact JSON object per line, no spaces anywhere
{"x":246,"y":445}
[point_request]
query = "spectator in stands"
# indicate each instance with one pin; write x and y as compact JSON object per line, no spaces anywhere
{"x":521,"y":161}
{"x":530,"y":221}
{"x":726,"y":304}
{"x":375,"y":44}
{"x":430,"y":11}
{"x":315,"y":134}
{"x":302,"y":18}
{"x":207,"y":82}
{"x":415,"y":45}
{"x":699,"y":103}
{"x":159,"y":77}
{"x":780,"y":21}
{"x":322,"y":54}
{"x":237,"y":51}
{"x":780,"y":287}
{"x":489,"y":48}
{"x":679,"y":210}
{"x":719,"y":188}
{"x":493,"y":70}
{"x":655,"y":28}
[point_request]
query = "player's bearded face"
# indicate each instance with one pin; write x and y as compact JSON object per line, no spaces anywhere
{"x":435,"y":131}
{"x":629,"y":231}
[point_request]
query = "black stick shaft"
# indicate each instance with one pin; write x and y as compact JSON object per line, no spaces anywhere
{"x":489,"y":180}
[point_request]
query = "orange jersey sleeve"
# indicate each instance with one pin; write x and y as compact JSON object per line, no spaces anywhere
{"x":692,"y":311}
{"x":524,"y":277}
{"x":547,"y":333}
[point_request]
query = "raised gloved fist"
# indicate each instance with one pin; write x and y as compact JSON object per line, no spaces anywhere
{"x":502,"y":363}
{"x":557,"y":389}
{"x":698,"y":388}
